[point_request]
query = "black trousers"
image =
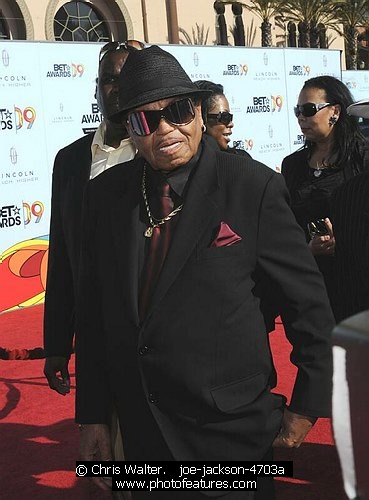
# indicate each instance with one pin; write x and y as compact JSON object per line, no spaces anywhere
{"x":143,"y":441}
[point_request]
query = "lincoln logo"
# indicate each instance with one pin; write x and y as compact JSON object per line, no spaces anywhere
{"x":13,"y":155}
{"x":265,"y":59}
{"x":5,"y":57}
{"x":195,"y":59}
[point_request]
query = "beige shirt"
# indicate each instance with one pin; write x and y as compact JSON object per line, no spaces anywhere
{"x":104,"y":156}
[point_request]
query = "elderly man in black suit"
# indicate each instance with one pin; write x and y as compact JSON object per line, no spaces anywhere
{"x":171,"y":329}
{"x":73,"y":167}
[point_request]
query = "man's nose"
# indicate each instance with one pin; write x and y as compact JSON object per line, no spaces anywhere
{"x":165,"y":126}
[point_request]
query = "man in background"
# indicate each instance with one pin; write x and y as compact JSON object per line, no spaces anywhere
{"x":74,"y":165}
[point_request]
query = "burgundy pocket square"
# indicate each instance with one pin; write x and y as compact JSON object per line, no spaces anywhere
{"x":225,"y":237}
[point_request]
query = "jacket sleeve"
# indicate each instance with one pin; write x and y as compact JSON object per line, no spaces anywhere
{"x":59,"y":298}
{"x":308,"y":320}
{"x":93,"y":395}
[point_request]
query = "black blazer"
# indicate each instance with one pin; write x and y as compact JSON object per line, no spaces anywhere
{"x":350,"y":218}
{"x":70,"y":176}
{"x":203,"y":349}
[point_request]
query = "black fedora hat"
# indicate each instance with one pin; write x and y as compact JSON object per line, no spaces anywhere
{"x":150,"y":75}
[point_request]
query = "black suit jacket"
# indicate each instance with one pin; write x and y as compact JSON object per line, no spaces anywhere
{"x":350,"y":218}
{"x":70,"y":175}
{"x":203,"y":350}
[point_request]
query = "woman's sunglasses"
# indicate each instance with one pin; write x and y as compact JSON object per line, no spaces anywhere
{"x":144,"y":123}
{"x":310,"y":108}
{"x":224,"y":117}
{"x":128,"y":45}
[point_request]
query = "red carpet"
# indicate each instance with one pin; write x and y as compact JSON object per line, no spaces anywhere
{"x":39,"y":440}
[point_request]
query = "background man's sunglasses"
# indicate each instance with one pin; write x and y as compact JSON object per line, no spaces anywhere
{"x":310,"y":108}
{"x":144,"y":123}
{"x":128,"y":45}
{"x":223,"y":117}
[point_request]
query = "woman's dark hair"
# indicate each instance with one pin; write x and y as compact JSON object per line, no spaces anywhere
{"x":348,"y":138}
{"x":207,"y":103}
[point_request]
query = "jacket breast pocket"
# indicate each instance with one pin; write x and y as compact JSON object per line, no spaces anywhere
{"x":235,"y":396}
{"x":232,"y":251}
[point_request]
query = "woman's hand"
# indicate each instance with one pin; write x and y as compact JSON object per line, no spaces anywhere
{"x":323,"y":245}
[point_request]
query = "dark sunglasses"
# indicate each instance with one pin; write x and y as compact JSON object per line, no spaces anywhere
{"x":146,"y":122}
{"x":310,"y":108}
{"x":224,"y":117}
{"x":128,"y":45}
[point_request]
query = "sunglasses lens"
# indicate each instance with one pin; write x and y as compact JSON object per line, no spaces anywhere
{"x":146,"y":122}
{"x":308,"y":109}
{"x":225,"y":118}
{"x":180,"y":112}
{"x":129,"y":45}
{"x":135,"y":44}
{"x":107,"y":48}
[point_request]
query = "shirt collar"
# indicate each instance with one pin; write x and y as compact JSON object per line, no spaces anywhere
{"x":99,"y":143}
{"x":177,"y":179}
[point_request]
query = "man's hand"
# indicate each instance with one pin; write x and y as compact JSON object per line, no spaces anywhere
{"x":293,"y":430}
{"x":95,"y":444}
{"x":53,"y":366}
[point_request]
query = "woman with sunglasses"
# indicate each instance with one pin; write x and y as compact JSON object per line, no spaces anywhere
{"x":216,"y":116}
{"x":334,"y":151}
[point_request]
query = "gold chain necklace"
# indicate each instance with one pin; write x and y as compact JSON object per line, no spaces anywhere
{"x":148,"y":232}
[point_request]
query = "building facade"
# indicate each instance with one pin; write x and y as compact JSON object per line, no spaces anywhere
{"x":154,"y":21}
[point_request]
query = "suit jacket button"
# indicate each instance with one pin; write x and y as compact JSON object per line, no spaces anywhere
{"x":153,"y":398}
{"x":143,"y":350}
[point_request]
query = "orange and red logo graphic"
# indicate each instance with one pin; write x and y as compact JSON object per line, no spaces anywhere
{"x":249,"y":144}
{"x":23,"y":270}
{"x":277,"y":103}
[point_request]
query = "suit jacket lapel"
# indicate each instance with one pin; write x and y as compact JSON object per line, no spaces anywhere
{"x":84,"y":160}
{"x":199,"y":207}
{"x":127,"y":236}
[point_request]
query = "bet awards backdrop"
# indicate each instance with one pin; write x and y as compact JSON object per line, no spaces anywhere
{"x":47,"y":101}
{"x":262,"y":86}
{"x":358,"y":83}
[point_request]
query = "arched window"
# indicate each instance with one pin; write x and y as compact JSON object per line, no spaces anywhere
{"x":15,"y":21}
{"x":80,"y":22}
{"x":87,"y":21}
{"x":4,"y":28}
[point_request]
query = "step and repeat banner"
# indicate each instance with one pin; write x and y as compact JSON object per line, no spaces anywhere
{"x":47,"y":100}
{"x":357,"y":82}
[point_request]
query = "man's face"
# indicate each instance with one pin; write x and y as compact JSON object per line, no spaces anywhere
{"x":169,"y":146}
{"x":108,"y":82}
